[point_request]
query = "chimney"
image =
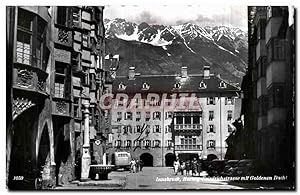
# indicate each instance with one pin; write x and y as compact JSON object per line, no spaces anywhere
{"x":131,"y":73}
{"x":183,"y":71}
{"x":206,"y":72}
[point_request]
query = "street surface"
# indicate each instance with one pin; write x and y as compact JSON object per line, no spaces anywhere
{"x":151,"y":178}
{"x":164,"y":178}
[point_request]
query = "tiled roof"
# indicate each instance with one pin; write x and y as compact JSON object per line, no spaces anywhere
{"x":166,"y":84}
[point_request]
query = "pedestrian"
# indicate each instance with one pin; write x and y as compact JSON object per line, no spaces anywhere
{"x":182,"y":168}
{"x":141,"y":165}
{"x":132,"y":166}
{"x":188,"y":167}
{"x":137,"y":165}
{"x":176,"y":165}
{"x":199,"y":167}
{"x":194,"y":167}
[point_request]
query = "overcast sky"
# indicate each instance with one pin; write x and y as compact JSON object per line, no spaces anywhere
{"x":233,"y":16}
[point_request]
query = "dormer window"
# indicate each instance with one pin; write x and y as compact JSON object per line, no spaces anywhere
{"x":122,"y":86}
{"x":145,"y":86}
{"x":177,"y":86}
{"x":222,"y":85}
{"x":202,"y":85}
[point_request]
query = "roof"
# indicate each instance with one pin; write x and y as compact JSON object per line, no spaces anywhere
{"x":166,"y":84}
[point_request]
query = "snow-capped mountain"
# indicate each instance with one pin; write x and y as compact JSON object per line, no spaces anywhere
{"x":165,"y":48}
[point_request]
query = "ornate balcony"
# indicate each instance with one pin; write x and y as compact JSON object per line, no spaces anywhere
{"x":30,"y":79}
{"x":188,"y":147}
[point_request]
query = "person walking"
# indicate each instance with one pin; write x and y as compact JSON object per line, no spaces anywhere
{"x":176,"y":165}
{"x":132,"y":166}
{"x":137,"y":165}
{"x":141,"y":165}
{"x":199,"y":167}
{"x":194,"y":167}
{"x":188,"y":167}
{"x":182,"y":168}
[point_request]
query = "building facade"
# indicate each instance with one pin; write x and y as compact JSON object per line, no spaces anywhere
{"x":157,"y":117}
{"x":55,"y":58}
{"x":268,"y":105}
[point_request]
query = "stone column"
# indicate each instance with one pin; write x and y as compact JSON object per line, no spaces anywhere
{"x":86,"y":157}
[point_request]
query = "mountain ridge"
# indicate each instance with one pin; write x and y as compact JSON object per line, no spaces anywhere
{"x":169,"y":47}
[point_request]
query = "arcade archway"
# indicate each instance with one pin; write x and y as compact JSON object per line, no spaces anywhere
{"x":147,"y":159}
{"x":169,"y":159}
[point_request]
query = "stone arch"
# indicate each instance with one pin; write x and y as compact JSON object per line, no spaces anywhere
{"x":169,"y":159}
{"x":211,"y":157}
{"x":41,"y":128}
{"x":147,"y":158}
{"x":43,"y":154}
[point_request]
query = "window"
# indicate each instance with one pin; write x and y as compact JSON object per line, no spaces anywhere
{"x":261,"y":65}
{"x":156,"y":129}
{"x":59,"y":87}
{"x":188,"y":142}
{"x":211,"y":144}
{"x":177,"y":86}
{"x":156,"y":115}
{"x":76,"y":107}
{"x":211,"y":129}
{"x":138,"y":116}
{"x":119,"y":116}
{"x":261,"y":30}
{"x":31,"y":35}
{"x":196,"y":119}
{"x":187,"y":120}
{"x":230,"y":129}
{"x":85,"y":40}
{"x":85,"y":80}
{"x":179,"y":120}
{"x":137,"y":143}
{"x":169,"y":143}
{"x":119,"y":130}
{"x":138,"y":129}
{"x":147,"y":143}
{"x":127,"y":129}
{"x":168,"y":129}
{"x":229,"y":101}
{"x":128,"y":116}
{"x":156,"y":143}
{"x":118,"y":143}
{"x":147,"y":117}
{"x":168,"y":115}
{"x":127,"y":143}
{"x":121,"y":86}
{"x":229,"y":115}
{"x":211,"y":115}
{"x":211,"y":101}
{"x":276,"y":96}
{"x":222,"y":85}
{"x":202,"y":85}
{"x":276,"y":50}
{"x":145,"y":86}
{"x":76,"y":16}
{"x":154,"y":102}
{"x":63,"y":16}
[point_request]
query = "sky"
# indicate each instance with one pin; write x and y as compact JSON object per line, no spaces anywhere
{"x":202,"y":15}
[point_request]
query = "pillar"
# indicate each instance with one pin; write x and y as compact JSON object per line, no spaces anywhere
{"x":86,"y":157}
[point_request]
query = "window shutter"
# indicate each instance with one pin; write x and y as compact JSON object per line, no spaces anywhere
{"x":207,"y":101}
{"x":153,"y":115}
{"x":214,"y":129}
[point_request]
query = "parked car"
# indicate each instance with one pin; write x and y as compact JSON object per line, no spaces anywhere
{"x":230,"y":168}
{"x":121,"y":160}
{"x":216,"y":167}
{"x":245,"y":167}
